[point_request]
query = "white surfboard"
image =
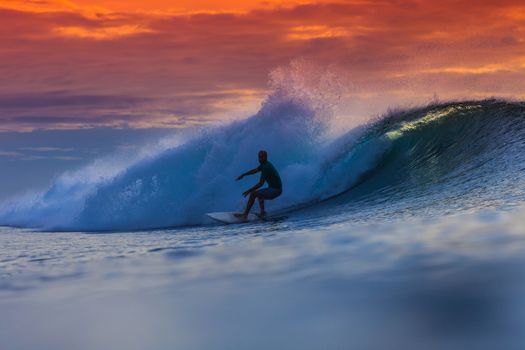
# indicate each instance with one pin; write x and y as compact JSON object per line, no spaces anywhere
{"x":230,"y":218}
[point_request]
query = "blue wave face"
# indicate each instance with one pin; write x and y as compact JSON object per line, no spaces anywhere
{"x":438,"y":159}
{"x":427,"y":156}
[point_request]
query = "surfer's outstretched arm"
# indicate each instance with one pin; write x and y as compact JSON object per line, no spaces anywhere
{"x":251,"y":172}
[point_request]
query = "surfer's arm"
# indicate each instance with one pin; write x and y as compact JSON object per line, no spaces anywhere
{"x":251,"y":172}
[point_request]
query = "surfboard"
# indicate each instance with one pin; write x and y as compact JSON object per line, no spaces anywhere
{"x":230,"y":218}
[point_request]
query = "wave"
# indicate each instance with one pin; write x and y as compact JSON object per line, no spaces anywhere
{"x":405,"y":153}
{"x":440,"y":158}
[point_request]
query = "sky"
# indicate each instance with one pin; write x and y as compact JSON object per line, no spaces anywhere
{"x":70,"y":65}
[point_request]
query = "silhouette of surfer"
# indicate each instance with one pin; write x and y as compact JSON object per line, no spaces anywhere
{"x":269,"y":175}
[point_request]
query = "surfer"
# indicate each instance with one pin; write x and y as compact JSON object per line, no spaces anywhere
{"x":268,"y":174}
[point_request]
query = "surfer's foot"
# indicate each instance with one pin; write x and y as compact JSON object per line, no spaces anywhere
{"x":262,"y":214}
{"x":241,"y":216}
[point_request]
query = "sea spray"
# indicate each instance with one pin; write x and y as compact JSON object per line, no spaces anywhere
{"x":176,"y":186}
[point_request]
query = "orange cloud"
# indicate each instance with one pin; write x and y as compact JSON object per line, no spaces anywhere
{"x":315,"y":32}
{"x":102,"y":33}
{"x":490,"y":68}
{"x":50,"y":6}
{"x":159,"y":7}
{"x":516,"y":13}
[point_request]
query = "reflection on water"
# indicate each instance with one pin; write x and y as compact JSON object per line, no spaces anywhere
{"x":451,"y":282}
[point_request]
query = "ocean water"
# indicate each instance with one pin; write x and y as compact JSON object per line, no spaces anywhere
{"x":407,"y":232}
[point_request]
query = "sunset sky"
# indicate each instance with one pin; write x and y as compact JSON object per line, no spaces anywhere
{"x":92,"y":65}
{"x":156,"y":63}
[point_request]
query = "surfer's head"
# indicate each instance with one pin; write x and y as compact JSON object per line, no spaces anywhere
{"x":263,"y":157}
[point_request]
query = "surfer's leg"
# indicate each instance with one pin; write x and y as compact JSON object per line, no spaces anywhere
{"x":261,"y":206}
{"x":249,"y":205}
